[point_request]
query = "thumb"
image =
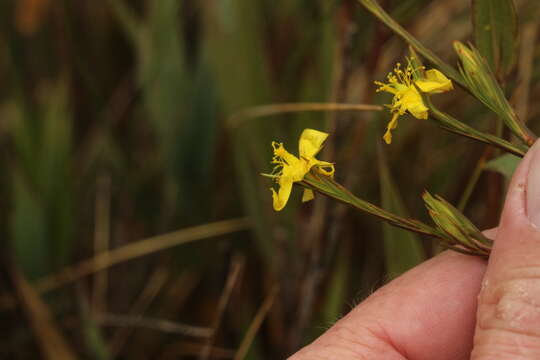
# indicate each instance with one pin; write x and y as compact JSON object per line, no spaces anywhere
{"x":508,"y":316}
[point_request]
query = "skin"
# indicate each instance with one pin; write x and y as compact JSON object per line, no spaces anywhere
{"x":454,"y":306}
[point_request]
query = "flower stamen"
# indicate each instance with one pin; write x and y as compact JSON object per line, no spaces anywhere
{"x":404,"y":85}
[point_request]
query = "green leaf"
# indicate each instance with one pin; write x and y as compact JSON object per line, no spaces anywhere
{"x":495,"y":33}
{"x":403,"y":249}
{"x":42,"y":224}
{"x":505,"y":164}
{"x":127,"y":19}
{"x":29,"y":231}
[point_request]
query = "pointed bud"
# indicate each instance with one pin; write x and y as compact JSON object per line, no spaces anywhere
{"x":453,"y":223}
{"x":482,"y":83}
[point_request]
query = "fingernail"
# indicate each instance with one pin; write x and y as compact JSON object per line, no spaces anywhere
{"x":533,"y":186}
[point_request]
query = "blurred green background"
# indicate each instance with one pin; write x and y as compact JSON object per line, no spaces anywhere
{"x":119,"y":139}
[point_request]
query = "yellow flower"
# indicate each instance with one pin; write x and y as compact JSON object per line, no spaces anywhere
{"x":406,"y":96}
{"x":290,"y":169}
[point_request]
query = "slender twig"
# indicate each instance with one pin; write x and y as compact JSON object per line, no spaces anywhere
{"x":256,"y":324}
{"x":155,"y":283}
{"x":52,"y":343}
{"x":283,"y":108}
{"x":237,"y":264}
{"x":183,"y":349}
{"x":101,"y":240}
{"x":154,"y":324}
{"x":129,"y":252}
{"x":471,"y":182}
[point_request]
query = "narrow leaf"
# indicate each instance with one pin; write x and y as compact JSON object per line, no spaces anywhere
{"x":495,"y":33}
{"x":505,"y":165}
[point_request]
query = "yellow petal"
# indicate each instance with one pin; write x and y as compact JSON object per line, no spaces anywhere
{"x":412,"y":102}
{"x":387,"y":137}
{"x":419,"y":111}
{"x":280,"y":198}
{"x":295,"y":172}
{"x":391,"y":126}
{"x":435,"y":82}
{"x":307,"y":195}
{"x":311,"y":142}
{"x":324,"y":167}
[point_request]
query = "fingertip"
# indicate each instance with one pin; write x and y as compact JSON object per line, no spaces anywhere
{"x":506,"y":319}
{"x":517,"y":235}
{"x":515,"y":208}
{"x":426,"y":313}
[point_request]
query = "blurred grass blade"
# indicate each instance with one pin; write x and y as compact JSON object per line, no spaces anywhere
{"x":28,"y":230}
{"x":403,"y":249}
{"x":157,"y":324}
{"x":93,"y":336}
{"x":149,"y":293}
{"x":43,"y":220}
{"x":160,"y":64}
{"x":234,"y":276}
{"x":505,"y":164}
{"x":336,"y":295}
{"x":255,"y":325}
{"x":55,"y":165}
{"x":141,"y":248}
{"x":30,"y":15}
{"x":252,"y":199}
{"x":51,"y":342}
{"x":277,"y":109}
{"x":374,"y":7}
{"x":127,"y":19}
{"x":495,"y":33}
{"x":133,"y":251}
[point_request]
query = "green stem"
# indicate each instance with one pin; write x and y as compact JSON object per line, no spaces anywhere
{"x":522,"y":131}
{"x":453,"y":125}
{"x":473,"y":180}
{"x":330,"y":188}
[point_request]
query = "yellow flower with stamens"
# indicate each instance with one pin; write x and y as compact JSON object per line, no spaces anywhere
{"x":290,"y":169}
{"x":401,"y":83}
